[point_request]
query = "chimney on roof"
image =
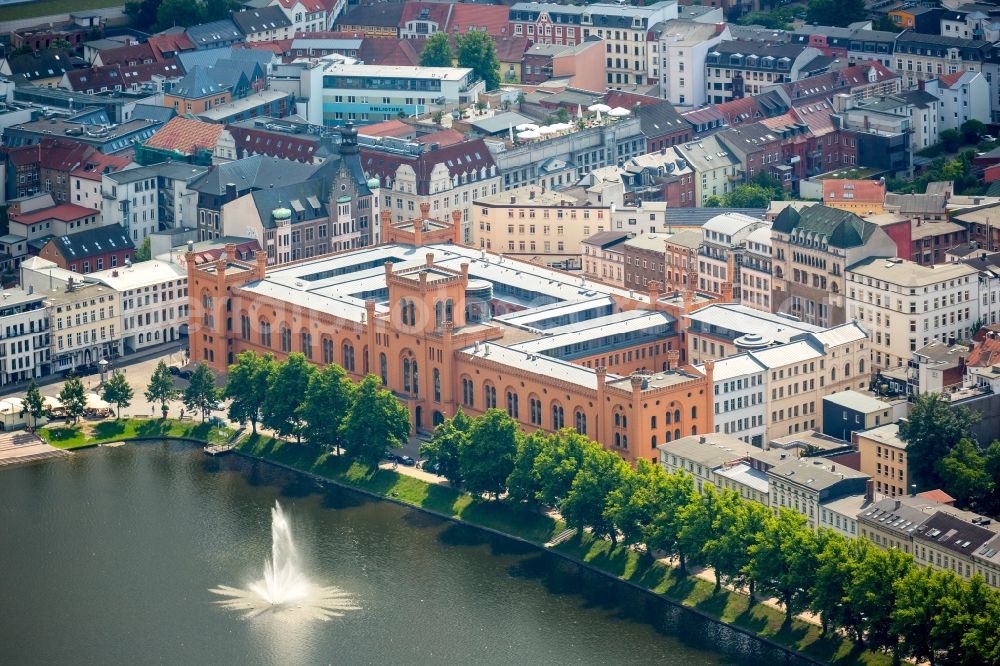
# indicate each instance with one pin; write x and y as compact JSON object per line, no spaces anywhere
{"x":920,"y":85}
{"x":870,"y":490}
{"x":231,"y":192}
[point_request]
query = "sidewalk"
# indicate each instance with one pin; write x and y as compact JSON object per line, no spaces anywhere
{"x":120,"y":362}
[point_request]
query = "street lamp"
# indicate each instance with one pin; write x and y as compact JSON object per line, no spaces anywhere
{"x":103,"y":365}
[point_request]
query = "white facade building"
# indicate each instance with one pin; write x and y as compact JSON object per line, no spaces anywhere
{"x":131,"y":200}
{"x":904,"y":305}
{"x":677,"y":60}
{"x":740,"y":387}
{"x":755,"y":271}
{"x":154,"y":304}
{"x":24,"y":336}
{"x":961,"y":98}
{"x":719,"y":257}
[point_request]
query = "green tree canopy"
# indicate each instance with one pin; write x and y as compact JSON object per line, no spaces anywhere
{"x":524,"y":484}
{"x":377,"y":421}
{"x":835,"y":12}
{"x":748,"y":196}
{"x":328,"y":398}
{"x":143,"y":252}
{"x":182,"y":13}
{"x":117,"y":391}
{"x":161,"y":386}
{"x":671,"y":493}
{"x":487,"y":459}
{"x":142,"y":13}
{"x":286,"y":390}
{"x":588,"y":502}
{"x":437,"y":51}
{"x":932,"y":429}
{"x":477,"y":50}
{"x":444,"y":450}
{"x":73,"y":397}
{"x":964,"y":474}
{"x":713,"y":202}
{"x":783,"y":559}
{"x":201,"y":394}
{"x":34,"y":405}
{"x":247,"y":387}
{"x":557,"y":464}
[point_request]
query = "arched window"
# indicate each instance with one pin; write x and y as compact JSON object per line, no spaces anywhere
{"x":449,"y":310}
{"x":468,"y":392}
{"x":668,"y":436}
{"x":416,"y":381}
{"x":618,"y":420}
{"x":489,"y":396}
{"x":677,"y":433}
{"x":694,"y":413}
{"x":327,"y":345}
{"x":245,"y":326}
{"x":618,"y":439}
{"x":305,"y":339}
{"x":558,"y":417}
{"x":286,"y":339}
{"x":847,"y":370}
{"x":406,"y":375}
{"x":365,"y":362}
{"x":413,"y":313}
{"x":348,"y":352}
{"x":666,"y":418}
{"x":694,"y":430}
{"x":581,"y":422}
{"x":383,"y":366}
{"x":265,"y":333}
{"x":437,"y":385}
{"x":861,"y":367}
{"x":652,"y":441}
{"x":512,"y":404}
{"x":438,"y":313}
{"x":621,"y":428}
{"x":833,"y":374}
{"x":652,"y":421}
{"x":536,"y":410}
{"x":677,"y":416}
{"x":624,"y":441}
{"x":404,"y":312}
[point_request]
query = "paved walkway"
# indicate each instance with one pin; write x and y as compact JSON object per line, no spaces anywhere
{"x":20,"y":447}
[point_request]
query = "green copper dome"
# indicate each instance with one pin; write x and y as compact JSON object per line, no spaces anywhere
{"x":281,"y":214}
{"x":374,"y":183}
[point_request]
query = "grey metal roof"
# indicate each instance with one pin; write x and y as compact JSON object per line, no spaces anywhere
{"x":814,"y":473}
{"x":92,"y":242}
{"x":261,"y":19}
{"x":214,"y":32}
{"x":501,"y":122}
{"x":858,"y":402}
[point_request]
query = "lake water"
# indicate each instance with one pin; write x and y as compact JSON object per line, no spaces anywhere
{"x":108,"y":558}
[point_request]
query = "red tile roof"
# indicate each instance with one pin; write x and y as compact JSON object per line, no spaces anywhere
{"x":816,"y":116}
{"x":63,"y":212}
{"x":742,"y":110}
{"x":853,"y":191}
{"x":984,"y":354}
{"x":109,"y":76}
{"x":388,"y":52}
{"x":24,"y":155}
{"x":511,"y":49}
{"x":124,"y":55}
{"x":276,"y":46}
{"x":63,"y":154}
{"x":461,"y":159}
{"x":948,"y":80}
{"x":170,"y":42}
{"x":627,"y":100}
{"x":393,"y":128}
{"x":310,"y":5}
{"x":443,"y":138}
{"x":437,"y":12}
{"x":186,"y":136}
{"x":491,"y":18}
{"x":98,"y":164}
{"x":252,"y":141}
{"x":937,"y":495}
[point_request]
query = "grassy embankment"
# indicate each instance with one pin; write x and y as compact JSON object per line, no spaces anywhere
{"x":87,"y":434}
{"x":37,"y":8}
{"x":623,"y":563}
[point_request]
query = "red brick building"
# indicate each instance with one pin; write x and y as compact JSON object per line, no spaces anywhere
{"x":90,"y":250}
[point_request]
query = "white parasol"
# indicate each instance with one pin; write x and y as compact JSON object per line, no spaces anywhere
{"x":599,"y":108}
{"x":528,"y":134}
{"x":94,"y":401}
{"x":525,"y":127}
{"x":619,"y":112}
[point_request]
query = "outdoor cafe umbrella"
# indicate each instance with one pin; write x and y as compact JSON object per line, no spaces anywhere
{"x":599,"y":108}
{"x":619,"y":112}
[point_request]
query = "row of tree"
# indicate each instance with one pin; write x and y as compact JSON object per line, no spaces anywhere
{"x":880,"y":598}
{"x":152,"y":15}
{"x":942,"y":452}
{"x":476,"y":50}
{"x":295,"y":399}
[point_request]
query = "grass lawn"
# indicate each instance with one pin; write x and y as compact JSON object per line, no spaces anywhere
{"x":71,"y":437}
{"x":622,"y":563}
{"x":36,"y":8}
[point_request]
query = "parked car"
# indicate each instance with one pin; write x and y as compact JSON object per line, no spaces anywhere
{"x":407,"y":460}
{"x":174,"y":370}
{"x":216,"y":422}
{"x":219,"y":407}
{"x":392,"y":457}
